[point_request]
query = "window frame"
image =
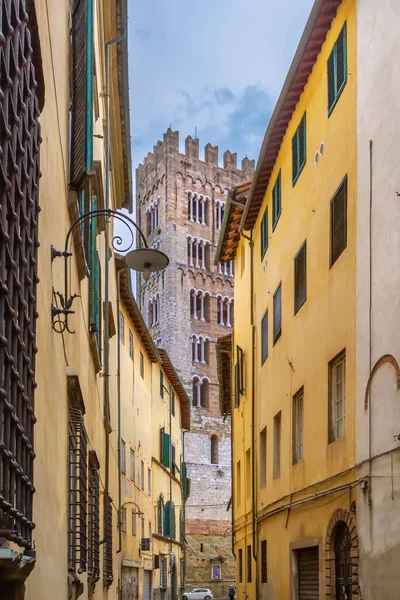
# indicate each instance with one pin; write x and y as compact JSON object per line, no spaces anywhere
{"x":263,"y":457}
{"x":123,"y":456}
{"x":298,"y":426}
{"x":264,"y":348}
{"x":264,"y":561}
{"x":132,"y":464}
{"x":240,"y":566}
{"x":130,"y":344}
{"x":276,"y":196}
{"x":332,"y":403}
{"x":334,"y":258}
{"x":298,"y":303}
{"x":277,"y":334}
{"x":249,"y":565}
{"x":296,"y":142}
{"x":277,"y":445}
{"x":337,"y":92}
{"x":264,"y":233}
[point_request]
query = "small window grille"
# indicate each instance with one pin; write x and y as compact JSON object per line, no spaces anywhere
{"x":77,"y":496}
{"x":249,"y":577}
{"x":163,"y":573}
{"x":264,"y":567}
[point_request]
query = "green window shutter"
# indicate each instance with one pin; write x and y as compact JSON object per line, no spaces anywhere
{"x":299,"y":149}
{"x":182,"y":527}
{"x":337,"y":69}
{"x":173,"y":522}
{"x":184,"y":480}
{"x":167,"y":519}
{"x":95,"y":280}
{"x":237,"y":384}
{"x":164,"y":445}
{"x":264,"y":338}
{"x":81,"y":162}
{"x":160,"y":515}
{"x":264,"y":233}
{"x":276,"y":202}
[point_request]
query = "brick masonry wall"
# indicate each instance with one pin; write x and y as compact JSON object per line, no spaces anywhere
{"x":167,"y":175}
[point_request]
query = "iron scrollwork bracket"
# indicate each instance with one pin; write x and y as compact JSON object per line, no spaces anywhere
{"x":61,"y":313}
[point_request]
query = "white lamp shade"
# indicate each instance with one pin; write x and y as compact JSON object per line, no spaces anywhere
{"x":146,"y":259}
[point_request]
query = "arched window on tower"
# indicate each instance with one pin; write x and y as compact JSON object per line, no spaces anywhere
{"x":197,"y":207}
{"x":200,"y":305}
{"x":214,"y":449}
{"x":225,"y":311}
{"x":200,"y":391}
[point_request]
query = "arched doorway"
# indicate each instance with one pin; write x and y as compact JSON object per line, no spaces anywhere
{"x":343,"y":565}
{"x":341,"y":545}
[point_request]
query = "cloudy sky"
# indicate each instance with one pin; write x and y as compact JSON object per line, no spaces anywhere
{"x":214,"y":65}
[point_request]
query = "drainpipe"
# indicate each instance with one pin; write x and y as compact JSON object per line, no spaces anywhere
{"x":253,"y":408}
{"x":119,"y":413}
{"x":106,"y":344}
{"x":370,"y":330}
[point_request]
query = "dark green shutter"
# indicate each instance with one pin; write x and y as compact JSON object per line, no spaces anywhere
{"x":278,"y":313}
{"x":295,"y":157}
{"x":264,"y":233}
{"x":173,"y":522}
{"x":82,"y":93}
{"x":299,"y":149}
{"x":184,"y":480}
{"x":337,"y":69}
{"x":164,"y":447}
{"x":167,"y":519}
{"x":264,"y":338}
{"x":331,"y":80}
{"x":276,"y":201}
{"x":300,"y":277}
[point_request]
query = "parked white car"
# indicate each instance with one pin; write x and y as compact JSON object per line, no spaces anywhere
{"x":198,"y":594}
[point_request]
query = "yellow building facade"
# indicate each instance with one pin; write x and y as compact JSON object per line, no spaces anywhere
{"x":292,"y":352}
{"x":155,"y":413}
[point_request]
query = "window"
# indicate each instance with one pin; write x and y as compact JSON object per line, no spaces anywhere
{"x":239,"y":375}
{"x":154,"y":310}
{"x":141,"y":366}
{"x":133,"y":522}
{"x":240,"y":566}
{"x":169,"y":520}
{"x":142,"y":474}
{"x":337,"y":69}
{"x":264,"y":569}
{"x":197,"y":208}
{"x":300,"y":277}
{"x":238,"y":483}
{"x":276,"y":201}
{"x":200,"y":305}
{"x":161,"y":384}
{"x":121,"y":327}
{"x":152,"y":216}
{"x":337,"y":397}
{"x":216,"y":569}
{"x":200,"y":392}
{"x":81,"y":160}
{"x":149,"y":482}
{"x":263,"y":457}
{"x":220,"y":207}
{"x":94,"y":519}
{"x":278,"y":313}
{"x":130,"y":344}
{"x":248,"y":473}
{"x":123,"y":519}
{"x":225,"y":311}
{"x":198,"y":251}
{"x":214,"y":449}
{"x":264,"y":338}
{"x":172,"y":402}
{"x":160,"y":514}
{"x":299,"y":150}
{"x":163,"y":573}
{"x":339,"y":222}
{"x":164,"y":447}
{"x":248,"y":564}
{"x":123,"y":457}
{"x":277,"y":445}
{"x":264,"y":233}
{"x":132,"y":453}
{"x":173,"y":464}
{"x":77,"y":477}
{"x":298,"y":426}
{"x":142,"y":534}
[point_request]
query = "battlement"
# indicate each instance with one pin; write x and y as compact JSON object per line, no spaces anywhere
{"x":169,"y":146}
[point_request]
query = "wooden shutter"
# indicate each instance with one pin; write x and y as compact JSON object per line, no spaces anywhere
{"x":341,"y":60}
{"x":184,"y":479}
{"x":249,"y":577}
{"x":264,"y":569}
{"x":302,"y":143}
{"x":331,"y":80}
{"x":276,"y":201}
{"x":299,"y":149}
{"x":295,"y":157}
{"x":82,"y":92}
{"x":300,"y":277}
{"x":278,"y":313}
{"x":308,"y":574}
{"x":167,"y":519}
{"x":264,"y":233}
{"x":164,"y":447}
{"x":264,"y":338}
{"x":339,"y":222}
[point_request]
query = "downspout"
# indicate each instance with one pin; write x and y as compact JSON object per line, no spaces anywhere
{"x":232,"y":472}
{"x":184,"y":512}
{"x":106,"y":349}
{"x":170,"y":487}
{"x":253,"y":407}
{"x":370,"y":329}
{"x":119,"y":414}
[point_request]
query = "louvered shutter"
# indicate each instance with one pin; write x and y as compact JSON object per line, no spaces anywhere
{"x":341,"y":59}
{"x":278,"y":313}
{"x":264,"y":338}
{"x":164,"y":447}
{"x":300,"y":277}
{"x":184,"y":480}
{"x":82,"y":93}
{"x":167,"y":519}
{"x":295,"y":157}
{"x":331,"y":80}
{"x":173,"y":522}
{"x":264,"y":233}
{"x":308,"y":574}
{"x":339,"y":222}
{"x":302,"y":143}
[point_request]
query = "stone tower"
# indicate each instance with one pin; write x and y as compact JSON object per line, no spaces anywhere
{"x":180,"y":205}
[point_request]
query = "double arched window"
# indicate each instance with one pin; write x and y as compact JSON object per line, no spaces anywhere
{"x":152,"y":216}
{"x":225,"y":310}
{"x":200,"y":348}
{"x":200,"y":304}
{"x":200,"y":391}
{"x":226,"y":268}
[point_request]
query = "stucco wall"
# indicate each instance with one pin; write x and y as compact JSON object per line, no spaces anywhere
{"x":378,"y":120}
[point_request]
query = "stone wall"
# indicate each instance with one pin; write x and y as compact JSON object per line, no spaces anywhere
{"x":166,"y":177}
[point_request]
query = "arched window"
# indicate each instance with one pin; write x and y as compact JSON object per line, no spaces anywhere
{"x":200,"y":305}
{"x":220,"y":209}
{"x":160,"y":514}
{"x":214,"y":449}
{"x":200,"y":391}
{"x":225,"y":311}
{"x":197,"y":207}
{"x":169,"y":520}
{"x":154,"y":310}
{"x":200,"y":349}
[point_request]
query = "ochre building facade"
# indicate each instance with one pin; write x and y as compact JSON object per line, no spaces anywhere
{"x":180,"y":206}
